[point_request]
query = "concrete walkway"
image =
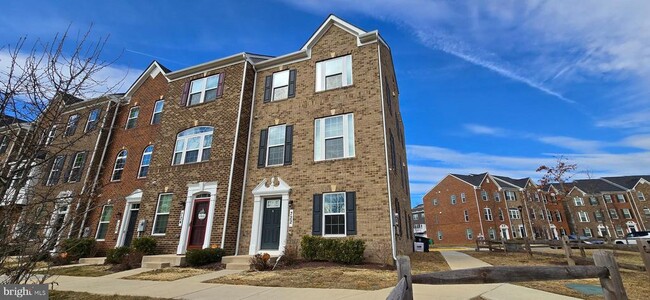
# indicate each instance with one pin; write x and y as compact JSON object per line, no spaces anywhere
{"x":504,"y":291}
{"x":194,"y":288}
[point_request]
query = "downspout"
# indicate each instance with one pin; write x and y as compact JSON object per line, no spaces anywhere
{"x":248,"y":145}
{"x":101,"y":160}
{"x":234,"y":152}
{"x":505,"y":200}
{"x":383,"y":118}
{"x":478,"y":209}
{"x":530,"y":222}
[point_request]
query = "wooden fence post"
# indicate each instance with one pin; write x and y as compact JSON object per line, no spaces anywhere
{"x":404,"y":271}
{"x":644,"y":250}
{"x":613,"y":288}
{"x":503,"y":245}
{"x":478,"y":248}
{"x":582,"y":248}
{"x":567,"y":251}
{"x":490,"y":245}
{"x":528,"y":250}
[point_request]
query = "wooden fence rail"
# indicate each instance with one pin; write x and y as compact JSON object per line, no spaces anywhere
{"x":606,"y":269}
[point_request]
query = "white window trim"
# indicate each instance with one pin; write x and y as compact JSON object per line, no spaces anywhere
{"x":469,"y":234}
{"x":186,"y":138}
{"x":608,"y":198}
{"x":578,"y":201}
{"x":275,"y":85}
{"x":582,"y":214}
{"x":321,"y":75}
{"x":156,"y":214}
{"x":640,"y":196}
{"x":348,"y":135}
{"x":614,"y":215}
{"x":516,"y":215}
{"x":203,"y":89}
{"x":117,"y":158}
{"x":488,"y":214}
{"x":345,"y":217}
{"x":453,"y":199}
{"x":269,"y":146}
{"x":485,"y":196}
{"x":142,"y":160}
{"x":620,"y":198}
{"x":129,"y":118}
{"x":52,"y":170}
{"x":587,"y":229}
{"x":70,"y":125}
{"x":153,"y":115}
{"x":466,"y":215}
{"x":99,"y":225}
{"x":50,"y":135}
{"x":629,"y":213}
{"x":74,"y":161}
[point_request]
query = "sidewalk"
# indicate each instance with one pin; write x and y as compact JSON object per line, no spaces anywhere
{"x":503,"y":291}
{"x":193,"y":288}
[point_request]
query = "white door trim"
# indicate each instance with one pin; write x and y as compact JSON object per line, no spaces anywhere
{"x":194,"y":189}
{"x":134,"y":197}
{"x":261,"y":192}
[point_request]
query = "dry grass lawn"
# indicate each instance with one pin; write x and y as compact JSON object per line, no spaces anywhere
{"x":167,"y":274}
{"x":83,"y":271}
{"x":65,"y":295}
{"x":347,"y":277}
{"x":636,"y":283}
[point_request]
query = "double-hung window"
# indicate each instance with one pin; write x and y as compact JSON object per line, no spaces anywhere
{"x":620,"y":198}
{"x":640,"y":196}
{"x":583,"y":216}
{"x":193,"y":145}
{"x":133,"y":117}
{"x":281,"y":85}
{"x":334,"y":214}
{"x":587,"y":232}
{"x":453,"y":199}
{"x":484,"y":196}
{"x":469,"y":233}
{"x":613,"y":213}
{"x":93,"y":119}
{"x":593,"y":200}
{"x":626,"y":213}
{"x":50,"y":135}
{"x":549,"y":216}
{"x":334,"y":73}
{"x":488,"y":214}
{"x":118,"y":168}
{"x":579,"y":201}
{"x":514,"y":213}
{"x":466,"y":215}
{"x":598,"y":215}
{"x":71,"y":126}
{"x":463,"y":198}
{"x":157,"y":111}
{"x":104,"y":220}
{"x":204,"y":89}
{"x":334,"y":137}
{"x":162,"y":214}
{"x":497,"y":197}
{"x":55,"y":172}
{"x":275,"y":146}
{"x":77,"y":167}
{"x":607,"y":198}
{"x":500,"y":215}
{"x":646,"y":212}
{"x":144,"y":163}
{"x":510,"y":196}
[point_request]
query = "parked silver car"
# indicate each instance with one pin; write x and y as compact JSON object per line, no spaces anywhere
{"x":632,"y":237}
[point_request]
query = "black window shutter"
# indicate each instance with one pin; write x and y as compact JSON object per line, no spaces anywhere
{"x":46,"y":174}
{"x":389,"y":97}
{"x":392,"y":151}
{"x":268,"y":84}
{"x":398,"y":217}
{"x":288,"y":142}
{"x":317,"y":228}
{"x":292,"y":83}
{"x":222,"y":80}
{"x":186,"y":93}
{"x":66,"y":175}
{"x":60,"y":168}
{"x":261,"y":159}
{"x":351,"y":213}
{"x":83,"y":164}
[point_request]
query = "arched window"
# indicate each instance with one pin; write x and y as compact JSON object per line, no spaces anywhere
{"x":119,"y":166}
{"x":193,"y":145}
{"x":144,"y":163}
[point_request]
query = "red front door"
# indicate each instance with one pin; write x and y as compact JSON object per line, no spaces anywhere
{"x":199,"y":223}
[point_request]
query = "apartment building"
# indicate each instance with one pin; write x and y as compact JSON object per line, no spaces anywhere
{"x":637,"y":188}
{"x":461,"y":208}
{"x":419,"y":224}
{"x":603,"y":208}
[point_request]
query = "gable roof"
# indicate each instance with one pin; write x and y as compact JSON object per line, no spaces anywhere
{"x":331,"y":20}
{"x":628,"y":182}
{"x":152,"y":70}
{"x":594,"y":186}
{"x":8,"y":120}
{"x":472,"y":179}
{"x":518,"y":183}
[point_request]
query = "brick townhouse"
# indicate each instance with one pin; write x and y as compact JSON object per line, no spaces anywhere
{"x":13,"y":132}
{"x":247,"y":152}
{"x":115,"y":217}
{"x":608,"y":207}
{"x":419,"y":223}
{"x":72,"y":162}
{"x":461,"y":208}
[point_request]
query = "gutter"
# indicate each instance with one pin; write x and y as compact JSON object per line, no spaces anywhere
{"x":248,"y":145}
{"x":234,"y":153}
{"x":101,"y":160}
{"x":383,"y":118}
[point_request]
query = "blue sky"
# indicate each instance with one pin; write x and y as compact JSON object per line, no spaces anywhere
{"x":498,"y":86}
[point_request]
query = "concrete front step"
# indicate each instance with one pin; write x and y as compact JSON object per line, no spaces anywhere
{"x":172,"y":259}
{"x":92,"y":260}
{"x":241,"y":262}
{"x":156,"y":265}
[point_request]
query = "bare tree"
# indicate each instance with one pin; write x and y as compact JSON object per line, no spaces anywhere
{"x":36,"y":84}
{"x":559,"y":175}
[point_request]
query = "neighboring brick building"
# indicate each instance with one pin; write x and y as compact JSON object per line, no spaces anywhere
{"x":638,"y":189}
{"x":461,"y":208}
{"x":114,"y":219}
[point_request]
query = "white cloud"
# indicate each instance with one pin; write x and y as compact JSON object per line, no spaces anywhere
{"x":485,"y":130}
{"x":575,"y":144}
